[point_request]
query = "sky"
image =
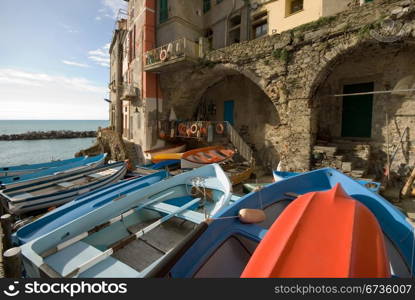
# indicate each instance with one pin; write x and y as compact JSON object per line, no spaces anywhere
{"x":54,"y":61}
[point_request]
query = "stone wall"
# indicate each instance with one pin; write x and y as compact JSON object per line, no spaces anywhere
{"x":291,"y":67}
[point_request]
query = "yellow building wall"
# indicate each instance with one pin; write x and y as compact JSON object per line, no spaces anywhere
{"x":279,"y":21}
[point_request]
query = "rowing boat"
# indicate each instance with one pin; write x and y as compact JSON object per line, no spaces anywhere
{"x":53,"y":192}
{"x":126,"y":235}
{"x":202,"y":156}
{"x":26,"y":169}
{"x":53,"y":172}
{"x":83,"y":205}
{"x":223,"y":247}
{"x":325,"y":235}
{"x":371,"y":185}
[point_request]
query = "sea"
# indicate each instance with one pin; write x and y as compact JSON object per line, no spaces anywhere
{"x":37,"y":151}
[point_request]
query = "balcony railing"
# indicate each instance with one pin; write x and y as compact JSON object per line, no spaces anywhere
{"x":177,"y":51}
{"x":129,"y":91}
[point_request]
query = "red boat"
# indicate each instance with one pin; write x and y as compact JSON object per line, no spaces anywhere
{"x":322,"y":235}
{"x":208,"y":155}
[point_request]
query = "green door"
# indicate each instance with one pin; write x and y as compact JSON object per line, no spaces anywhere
{"x":357,"y":111}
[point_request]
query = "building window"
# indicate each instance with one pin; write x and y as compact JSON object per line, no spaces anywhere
{"x":260,"y":24}
{"x":260,"y":29}
{"x":164,"y":11}
{"x":206,"y":6}
{"x":293,"y":6}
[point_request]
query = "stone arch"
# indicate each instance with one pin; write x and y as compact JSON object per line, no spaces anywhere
{"x":190,"y":87}
{"x":355,"y":59}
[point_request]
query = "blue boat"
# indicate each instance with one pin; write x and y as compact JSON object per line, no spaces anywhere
{"x":53,"y":172}
{"x":81,"y":206}
{"x":371,"y":185}
{"x":26,"y":169}
{"x":223,"y":247}
{"x":54,"y":192}
{"x":126,"y":235}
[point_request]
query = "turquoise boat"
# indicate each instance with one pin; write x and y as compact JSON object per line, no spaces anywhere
{"x":128,"y":234}
{"x":53,"y":172}
{"x":222,"y":247}
{"x":81,"y":206}
{"x":26,"y":169}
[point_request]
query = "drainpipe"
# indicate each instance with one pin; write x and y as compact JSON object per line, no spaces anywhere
{"x":227,"y":22}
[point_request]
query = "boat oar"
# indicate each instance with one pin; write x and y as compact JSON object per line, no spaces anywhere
{"x":122,"y":243}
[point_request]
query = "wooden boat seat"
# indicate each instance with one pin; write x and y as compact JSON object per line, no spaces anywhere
{"x":65,"y":185}
{"x":188,"y":215}
{"x":80,"y":252}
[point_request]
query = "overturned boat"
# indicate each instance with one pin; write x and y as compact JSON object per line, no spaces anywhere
{"x":128,"y":234}
{"x":54,"y":192}
{"x":322,"y":235}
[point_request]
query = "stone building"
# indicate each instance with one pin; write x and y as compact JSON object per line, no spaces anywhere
{"x":281,"y":72}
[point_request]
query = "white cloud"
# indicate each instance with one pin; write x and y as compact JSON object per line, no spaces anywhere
{"x":76,"y":64}
{"x":43,"y":96}
{"x":110,"y":9}
{"x":100,"y":56}
{"x":68,"y":28}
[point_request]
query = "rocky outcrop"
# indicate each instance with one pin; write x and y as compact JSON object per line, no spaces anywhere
{"x":48,"y":135}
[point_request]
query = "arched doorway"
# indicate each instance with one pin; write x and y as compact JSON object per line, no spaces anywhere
{"x":355,"y":111}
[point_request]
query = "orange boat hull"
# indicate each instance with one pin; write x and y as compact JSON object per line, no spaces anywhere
{"x":324,"y":235}
{"x":207,"y":155}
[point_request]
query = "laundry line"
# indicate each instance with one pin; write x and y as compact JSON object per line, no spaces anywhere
{"x":375,"y":93}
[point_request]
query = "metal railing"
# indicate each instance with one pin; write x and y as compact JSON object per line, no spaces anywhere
{"x":243,"y":148}
{"x":171,"y":51}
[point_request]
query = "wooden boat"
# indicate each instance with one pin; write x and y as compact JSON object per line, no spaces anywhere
{"x":26,"y":169}
{"x":47,"y":193}
{"x":371,"y":185}
{"x":54,"y":172}
{"x":178,"y":148}
{"x":126,"y":235}
{"x":83,"y":205}
{"x":322,"y":234}
{"x":160,"y":157}
{"x":223,"y":247}
{"x":239,"y":174}
{"x":202,"y":156}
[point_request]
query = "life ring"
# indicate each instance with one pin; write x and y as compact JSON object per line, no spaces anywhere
{"x":163,"y":55}
{"x":182,"y":129}
{"x":220,"y":128}
{"x":194,"y":128}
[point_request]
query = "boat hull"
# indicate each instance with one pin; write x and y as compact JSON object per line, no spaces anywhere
{"x":322,"y":234}
{"x":202,"y":156}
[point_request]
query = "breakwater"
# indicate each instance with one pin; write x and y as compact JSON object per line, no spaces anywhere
{"x":46,"y":135}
